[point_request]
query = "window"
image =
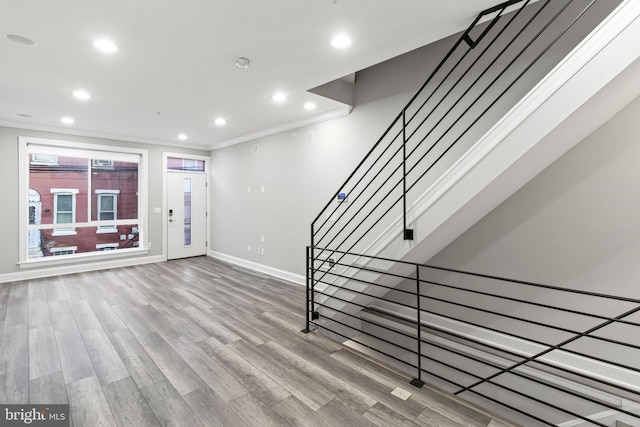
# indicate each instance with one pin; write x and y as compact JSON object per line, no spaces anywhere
{"x":89,"y":192}
{"x":187,"y":165}
{"x":101,"y":163}
{"x":65,"y":250}
{"x":64,"y":211}
{"x":107,"y":204}
{"x":104,"y":247}
{"x":44,"y":159}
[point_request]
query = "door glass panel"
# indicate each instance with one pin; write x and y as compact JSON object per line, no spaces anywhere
{"x":187,"y":212}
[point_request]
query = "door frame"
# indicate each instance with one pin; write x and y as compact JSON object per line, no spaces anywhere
{"x":165,"y":198}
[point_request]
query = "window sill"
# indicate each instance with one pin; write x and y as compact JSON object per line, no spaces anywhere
{"x":106,"y":230}
{"x":59,"y":232}
{"x":83,"y":257}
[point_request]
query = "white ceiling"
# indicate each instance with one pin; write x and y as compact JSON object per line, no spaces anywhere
{"x":174,"y":71}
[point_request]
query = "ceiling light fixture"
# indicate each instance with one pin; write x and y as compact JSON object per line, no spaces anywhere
{"x":310,"y":106}
{"x":67,"y":120}
{"x":243,"y":62}
{"x":341,"y":41}
{"x":182,"y":137}
{"x":21,"y":40}
{"x":220,"y":121}
{"x":81,"y":94}
{"x":105,"y":45}
{"x":279,"y":97}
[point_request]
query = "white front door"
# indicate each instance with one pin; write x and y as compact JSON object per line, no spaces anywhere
{"x":186,"y":214}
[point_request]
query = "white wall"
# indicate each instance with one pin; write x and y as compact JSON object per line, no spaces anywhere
{"x":298,"y":176}
{"x":575,"y":225}
{"x":9,"y":172}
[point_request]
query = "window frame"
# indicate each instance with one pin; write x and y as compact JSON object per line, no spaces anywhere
{"x":29,"y":145}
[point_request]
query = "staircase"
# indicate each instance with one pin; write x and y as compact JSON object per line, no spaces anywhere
{"x":521,"y":86}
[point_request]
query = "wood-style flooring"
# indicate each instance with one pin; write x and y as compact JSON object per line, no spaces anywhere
{"x":195,"y":342}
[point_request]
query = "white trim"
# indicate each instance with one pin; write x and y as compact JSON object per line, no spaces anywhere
{"x":116,"y":137}
{"x":79,"y":268}
{"x":64,"y":232}
{"x":271,"y":271}
{"x":85,"y":224}
{"x":64,"y":190}
{"x":78,"y":257}
{"x":333,"y":114}
{"x":107,"y":229}
{"x":89,"y":151}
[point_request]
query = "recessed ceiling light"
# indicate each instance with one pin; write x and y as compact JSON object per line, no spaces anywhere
{"x":81,"y":94}
{"x":220,"y":121}
{"x":341,"y":41}
{"x":279,"y":97}
{"x":243,"y":62}
{"x":67,"y":120}
{"x":182,"y":137}
{"x":105,"y":45}
{"x":309,"y":106}
{"x":21,"y":40}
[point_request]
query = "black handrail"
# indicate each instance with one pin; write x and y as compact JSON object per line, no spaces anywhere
{"x":327,"y":317}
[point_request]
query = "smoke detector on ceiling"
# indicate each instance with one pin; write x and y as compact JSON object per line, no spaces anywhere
{"x":243,"y":62}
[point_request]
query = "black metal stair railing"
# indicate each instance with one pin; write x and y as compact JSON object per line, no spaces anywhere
{"x":528,"y":333}
{"x":498,"y":59}
{"x":504,"y":53}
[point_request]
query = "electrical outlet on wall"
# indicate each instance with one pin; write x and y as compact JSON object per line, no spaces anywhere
{"x":262,"y":250}
{"x":248,"y":248}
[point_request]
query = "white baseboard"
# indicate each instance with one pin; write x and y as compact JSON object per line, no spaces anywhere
{"x":79,"y":268}
{"x":271,"y":271}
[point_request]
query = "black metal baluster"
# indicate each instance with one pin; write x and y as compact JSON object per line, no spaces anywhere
{"x":417,"y":382}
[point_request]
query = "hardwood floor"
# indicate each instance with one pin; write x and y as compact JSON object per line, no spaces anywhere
{"x":195,"y":342}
